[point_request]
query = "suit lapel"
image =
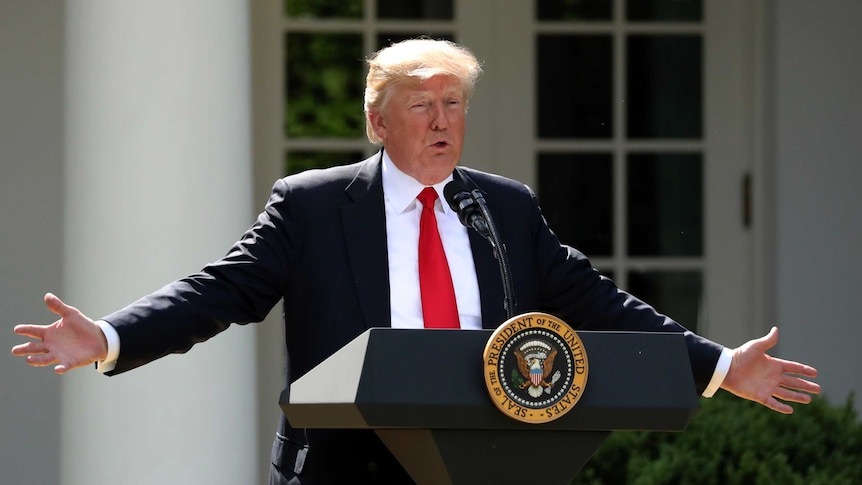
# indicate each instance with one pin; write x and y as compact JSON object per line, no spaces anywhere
{"x":487,"y":271}
{"x":364,"y":223}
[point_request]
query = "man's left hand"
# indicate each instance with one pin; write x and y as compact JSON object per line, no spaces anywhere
{"x":759,"y":377}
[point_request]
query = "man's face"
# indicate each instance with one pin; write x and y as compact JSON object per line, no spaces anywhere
{"x":422,"y":127}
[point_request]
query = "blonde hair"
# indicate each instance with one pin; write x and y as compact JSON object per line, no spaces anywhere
{"x":419,"y":60}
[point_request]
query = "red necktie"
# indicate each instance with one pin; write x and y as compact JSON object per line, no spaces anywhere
{"x":439,"y":309}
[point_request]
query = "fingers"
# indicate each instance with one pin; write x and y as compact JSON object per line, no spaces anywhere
{"x":36,"y":352}
{"x":799,"y":384}
{"x":787,"y":366}
{"x":37,"y":355}
{"x":29,"y":348}
{"x":57,"y":306}
{"x":772,"y":402}
{"x":41,"y":360}
{"x":778,"y":406}
{"x":46,"y":360}
{"x":28,"y":330}
{"x":790,"y":367}
{"x":768,"y":341}
{"x":792,"y":396}
{"x":792,"y":389}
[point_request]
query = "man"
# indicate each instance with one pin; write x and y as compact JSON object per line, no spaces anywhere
{"x":342,"y":248}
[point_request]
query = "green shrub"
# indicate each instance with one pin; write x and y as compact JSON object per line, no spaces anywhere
{"x":736,"y":441}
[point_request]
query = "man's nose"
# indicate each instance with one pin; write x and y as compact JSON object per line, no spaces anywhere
{"x":439,"y":120}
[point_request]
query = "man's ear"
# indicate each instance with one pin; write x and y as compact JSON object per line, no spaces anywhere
{"x":378,"y":124}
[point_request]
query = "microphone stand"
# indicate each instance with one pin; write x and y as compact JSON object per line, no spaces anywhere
{"x":499,"y":253}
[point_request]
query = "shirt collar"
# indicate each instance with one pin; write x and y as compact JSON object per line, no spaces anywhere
{"x":400,"y":189}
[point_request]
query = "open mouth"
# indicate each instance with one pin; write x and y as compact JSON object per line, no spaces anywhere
{"x":440,"y":144}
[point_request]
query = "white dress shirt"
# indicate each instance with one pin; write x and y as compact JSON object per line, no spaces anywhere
{"x":402,"y":239}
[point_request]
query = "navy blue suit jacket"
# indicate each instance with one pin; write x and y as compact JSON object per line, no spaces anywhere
{"x":320,"y":244}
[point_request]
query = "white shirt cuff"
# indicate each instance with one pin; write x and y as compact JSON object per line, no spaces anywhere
{"x":720,"y":373}
{"x":113,"y":339}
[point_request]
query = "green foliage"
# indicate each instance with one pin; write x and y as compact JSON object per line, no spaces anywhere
{"x":325,"y":85}
{"x":323,"y":8}
{"x":300,"y":161}
{"x":736,"y":441}
{"x":575,"y":10}
{"x":516,"y":378}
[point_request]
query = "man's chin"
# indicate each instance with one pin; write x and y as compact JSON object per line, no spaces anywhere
{"x":436,"y":170}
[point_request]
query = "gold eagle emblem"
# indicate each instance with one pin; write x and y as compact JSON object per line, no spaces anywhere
{"x":535,"y":368}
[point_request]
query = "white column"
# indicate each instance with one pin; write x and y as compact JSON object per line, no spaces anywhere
{"x":157,"y":183}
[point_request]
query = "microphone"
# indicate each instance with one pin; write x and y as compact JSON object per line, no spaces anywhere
{"x":473,"y":212}
{"x":467,"y":206}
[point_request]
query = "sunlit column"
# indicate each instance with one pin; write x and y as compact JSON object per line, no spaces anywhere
{"x":157,"y":183}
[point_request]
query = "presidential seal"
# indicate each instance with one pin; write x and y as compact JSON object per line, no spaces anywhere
{"x":535,"y":368}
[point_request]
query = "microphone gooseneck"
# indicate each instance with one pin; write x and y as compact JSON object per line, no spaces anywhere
{"x":472,"y":210}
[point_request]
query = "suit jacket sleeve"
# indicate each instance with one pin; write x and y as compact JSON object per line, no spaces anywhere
{"x":240,"y":288}
{"x":593,"y":301}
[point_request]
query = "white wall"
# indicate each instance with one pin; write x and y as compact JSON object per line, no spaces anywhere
{"x":31,"y":230}
{"x":818,"y":148}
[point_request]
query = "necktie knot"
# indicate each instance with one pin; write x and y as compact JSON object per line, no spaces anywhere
{"x":427,"y":197}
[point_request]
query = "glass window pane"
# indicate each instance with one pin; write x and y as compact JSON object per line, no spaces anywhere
{"x":664,"y":86}
{"x":575,"y":86}
{"x":385,"y":39}
{"x":323,"y":8}
{"x":415,"y":9}
{"x":325,"y":82}
{"x":664,"y":10}
{"x":574,"y":9}
{"x":665,"y":205}
{"x":676,"y":294}
{"x":577,"y":197}
{"x":299,"y":161}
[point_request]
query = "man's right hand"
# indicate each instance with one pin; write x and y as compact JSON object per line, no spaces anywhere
{"x":72,"y":341}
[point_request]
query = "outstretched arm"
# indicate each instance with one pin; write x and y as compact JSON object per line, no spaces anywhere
{"x":759,"y":377}
{"x":72,"y":341}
